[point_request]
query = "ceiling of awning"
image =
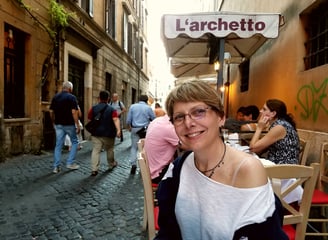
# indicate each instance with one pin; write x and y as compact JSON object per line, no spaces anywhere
{"x":192,"y":40}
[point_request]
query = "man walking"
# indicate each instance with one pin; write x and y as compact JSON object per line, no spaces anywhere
{"x":120,"y":108}
{"x":139,"y":116}
{"x":64,"y":113}
{"x":104,"y":135}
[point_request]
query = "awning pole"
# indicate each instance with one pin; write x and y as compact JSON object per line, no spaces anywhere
{"x":219,"y":82}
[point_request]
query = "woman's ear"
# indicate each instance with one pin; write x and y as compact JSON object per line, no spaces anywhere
{"x":273,"y":114}
{"x":221,"y":121}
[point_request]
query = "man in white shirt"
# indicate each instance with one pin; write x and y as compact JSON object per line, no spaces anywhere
{"x":120,"y":108}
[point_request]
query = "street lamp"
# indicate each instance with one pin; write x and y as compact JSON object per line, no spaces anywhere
{"x":217,"y":69}
{"x":217,"y":66}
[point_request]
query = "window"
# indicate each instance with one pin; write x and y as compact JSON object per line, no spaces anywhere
{"x":316,"y":26}
{"x":87,"y":5}
{"x":134,"y":44}
{"x":244,"y":72}
{"x":110,"y":18}
{"x":108,"y":83}
{"x":140,"y":53}
{"x":125,"y":32}
{"x":128,"y":34}
{"x":130,"y":39}
{"x":14,"y":69}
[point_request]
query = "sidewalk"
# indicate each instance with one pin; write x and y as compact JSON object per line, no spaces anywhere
{"x":38,"y":204}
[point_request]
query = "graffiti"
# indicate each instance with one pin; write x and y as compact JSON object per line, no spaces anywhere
{"x":312,"y":99}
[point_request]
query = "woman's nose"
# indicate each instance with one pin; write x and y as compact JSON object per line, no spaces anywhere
{"x":188,"y":121}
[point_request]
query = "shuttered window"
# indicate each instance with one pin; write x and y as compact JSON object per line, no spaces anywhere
{"x":244,"y":72}
{"x":316,"y":26}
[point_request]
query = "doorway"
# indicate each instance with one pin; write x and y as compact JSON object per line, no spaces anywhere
{"x":76,"y":70}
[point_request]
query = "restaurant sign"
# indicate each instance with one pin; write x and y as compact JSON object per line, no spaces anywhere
{"x":221,"y":25}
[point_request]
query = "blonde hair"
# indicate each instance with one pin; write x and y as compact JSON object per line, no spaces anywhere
{"x":194,"y":91}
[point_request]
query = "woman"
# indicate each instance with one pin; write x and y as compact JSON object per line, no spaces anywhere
{"x":214,"y":191}
{"x":281,"y":141}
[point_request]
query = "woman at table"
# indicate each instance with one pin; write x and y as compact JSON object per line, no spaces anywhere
{"x":213,"y":191}
{"x":281,"y":141}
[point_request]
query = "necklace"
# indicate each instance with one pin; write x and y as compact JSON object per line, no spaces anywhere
{"x":212,"y":170}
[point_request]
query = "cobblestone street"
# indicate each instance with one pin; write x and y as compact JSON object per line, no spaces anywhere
{"x":38,"y":204}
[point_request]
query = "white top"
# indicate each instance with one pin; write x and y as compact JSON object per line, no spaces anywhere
{"x":206,"y":209}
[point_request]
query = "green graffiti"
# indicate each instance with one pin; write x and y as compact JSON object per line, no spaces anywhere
{"x":311,"y":100}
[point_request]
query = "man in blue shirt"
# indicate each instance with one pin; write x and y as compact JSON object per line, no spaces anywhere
{"x":139,"y":116}
{"x":64,"y":115}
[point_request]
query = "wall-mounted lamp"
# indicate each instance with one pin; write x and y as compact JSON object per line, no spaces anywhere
{"x":216,"y":66}
{"x":222,"y":88}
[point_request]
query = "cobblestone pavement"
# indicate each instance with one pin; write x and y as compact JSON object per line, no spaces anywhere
{"x":38,"y":204}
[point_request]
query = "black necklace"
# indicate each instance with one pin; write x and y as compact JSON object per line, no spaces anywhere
{"x":212,"y":170}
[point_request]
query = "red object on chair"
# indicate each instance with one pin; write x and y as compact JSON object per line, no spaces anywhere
{"x":320,"y":197}
{"x":156,"y":212}
{"x":290,"y":231}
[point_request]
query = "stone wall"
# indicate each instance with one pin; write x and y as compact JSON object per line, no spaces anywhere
{"x":315,"y":139}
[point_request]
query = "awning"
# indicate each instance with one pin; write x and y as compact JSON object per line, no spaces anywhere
{"x":194,"y":41}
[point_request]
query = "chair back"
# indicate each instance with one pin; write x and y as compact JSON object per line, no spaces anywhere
{"x":305,"y":176}
{"x":150,"y":211}
{"x":141,"y":144}
{"x":323,"y":176}
{"x":304,"y":151}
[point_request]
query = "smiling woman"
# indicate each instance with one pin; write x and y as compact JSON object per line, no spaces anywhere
{"x":208,"y":178}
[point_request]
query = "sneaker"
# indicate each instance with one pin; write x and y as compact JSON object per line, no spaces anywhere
{"x":112,"y":166}
{"x":133,"y":169}
{"x":56,"y":170}
{"x":73,"y":166}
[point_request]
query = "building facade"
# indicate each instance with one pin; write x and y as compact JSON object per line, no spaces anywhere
{"x":292,"y":67}
{"x":103,"y":45}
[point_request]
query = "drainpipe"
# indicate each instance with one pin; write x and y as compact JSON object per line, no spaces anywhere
{"x":219,"y":81}
{"x":2,"y":152}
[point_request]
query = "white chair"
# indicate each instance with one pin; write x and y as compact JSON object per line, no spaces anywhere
{"x":304,"y":151}
{"x":320,"y":198}
{"x":305,"y":176}
{"x":150,"y":210}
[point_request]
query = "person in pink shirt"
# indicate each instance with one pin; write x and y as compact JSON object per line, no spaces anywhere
{"x":161,"y":143}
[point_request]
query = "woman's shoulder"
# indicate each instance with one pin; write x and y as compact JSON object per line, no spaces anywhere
{"x":249,"y":172}
{"x":282,"y":122}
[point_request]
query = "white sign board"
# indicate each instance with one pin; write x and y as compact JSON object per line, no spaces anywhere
{"x":221,"y":25}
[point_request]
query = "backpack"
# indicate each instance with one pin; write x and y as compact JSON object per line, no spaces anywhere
{"x":119,"y":104}
{"x":92,"y":125}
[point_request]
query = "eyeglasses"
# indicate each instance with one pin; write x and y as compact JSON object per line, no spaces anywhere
{"x":195,"y":114}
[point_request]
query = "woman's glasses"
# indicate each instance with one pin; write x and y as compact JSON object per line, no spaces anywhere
{"x":195,"y":114}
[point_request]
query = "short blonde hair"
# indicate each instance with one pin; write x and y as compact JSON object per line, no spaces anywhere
{"x":194,"y":91}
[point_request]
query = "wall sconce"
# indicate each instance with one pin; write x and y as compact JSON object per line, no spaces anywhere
{"x":216,"y":66}
{"x":222,"y":88}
